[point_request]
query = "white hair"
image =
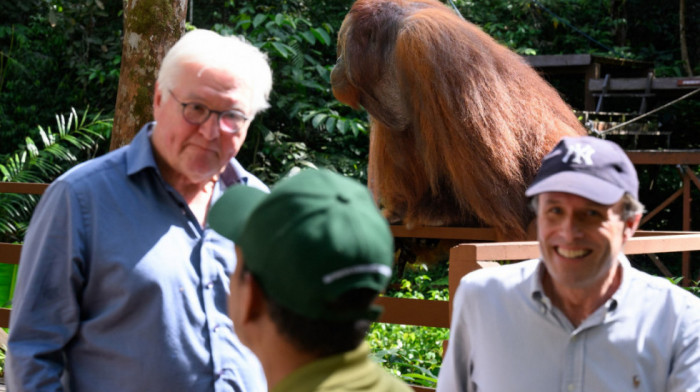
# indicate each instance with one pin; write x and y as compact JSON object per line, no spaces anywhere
{"x":231,"y":53}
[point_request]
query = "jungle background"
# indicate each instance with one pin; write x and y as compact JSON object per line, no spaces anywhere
{"x":59,"y":74}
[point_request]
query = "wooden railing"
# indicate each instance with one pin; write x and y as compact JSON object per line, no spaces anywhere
{"x":682,"y":159}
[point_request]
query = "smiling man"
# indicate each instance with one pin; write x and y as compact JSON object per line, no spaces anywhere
{"x":122,"y":284}
{"x":580,"y":318}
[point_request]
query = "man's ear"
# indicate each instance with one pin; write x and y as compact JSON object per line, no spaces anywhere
{"x":254,"y":303}
{"x":157,"y":97}
{"x":631,"y":226}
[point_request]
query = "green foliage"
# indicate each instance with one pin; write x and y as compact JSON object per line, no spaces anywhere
{"x":544,"y":27}
{"x":421,"y":282}
{"x":305,"y":126}
{"x":56,"y":54}
{"x":694,"y":288}
{"x":3,"y":351}
{"x":76,"y":139}
{"x":410,"y":352}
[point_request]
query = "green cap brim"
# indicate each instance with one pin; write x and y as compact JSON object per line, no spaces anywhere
{"x":229,"y":215}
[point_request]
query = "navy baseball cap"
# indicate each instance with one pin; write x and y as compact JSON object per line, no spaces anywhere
{"x":596,"y":169}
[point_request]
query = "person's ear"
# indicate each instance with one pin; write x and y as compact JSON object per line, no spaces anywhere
{"x":157,"y":97}
{"x":631,"y":225}
{"x":254,"y":305}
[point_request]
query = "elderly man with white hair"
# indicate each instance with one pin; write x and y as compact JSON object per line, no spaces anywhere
{"x":122,"y":284}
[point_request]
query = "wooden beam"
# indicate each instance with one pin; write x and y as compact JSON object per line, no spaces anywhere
{"x":663,"y":243}
{"x":664,"y":157}
{"x":419,"y":312}
{"x":654,"y":233}
{"x":584,"y":60}
{"x":9,"y":253}
{"x":689,"y":82}
{"x":685,"y":259}
{"x":654,"y":258}
{"x":691,"y":175}
{"x":4,"y":318}
{"x":558,"y":60}
{"x":446,"y":233}
{"x":631,"y":84}
{"x":520,"y":250}
{"x":23,"y":188}
{"x":661,"y":206}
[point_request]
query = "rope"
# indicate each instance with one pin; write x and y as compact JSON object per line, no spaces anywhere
{"x":562,"y":20}
{"x":643,"y":115}
{"x":455,"y":8}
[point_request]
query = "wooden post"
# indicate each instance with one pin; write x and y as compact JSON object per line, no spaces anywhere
{"x":592,"y":72}
{"x":686,"y":227}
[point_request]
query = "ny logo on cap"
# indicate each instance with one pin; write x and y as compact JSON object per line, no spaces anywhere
{"x":579,"y":153}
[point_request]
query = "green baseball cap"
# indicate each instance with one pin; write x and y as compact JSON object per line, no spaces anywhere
{"x":316,"y":236}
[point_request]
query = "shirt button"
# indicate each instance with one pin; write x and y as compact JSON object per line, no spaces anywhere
{"x":571,"y":387}
{"x":210,"y":285}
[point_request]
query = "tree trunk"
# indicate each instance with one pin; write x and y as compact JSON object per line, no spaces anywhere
{"x":684,"y":46}
{"x":151,"y":27}
{"x":618,"y":12}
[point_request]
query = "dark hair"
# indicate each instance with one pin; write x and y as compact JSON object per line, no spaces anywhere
{"x":322,"y":337}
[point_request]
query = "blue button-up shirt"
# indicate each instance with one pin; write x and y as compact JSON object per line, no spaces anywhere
{"x":507,"y":336}
{"x":121,"y":289}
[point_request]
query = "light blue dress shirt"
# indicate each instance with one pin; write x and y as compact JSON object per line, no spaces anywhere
{"x":507,"y":336}
{"x":121,"y":289}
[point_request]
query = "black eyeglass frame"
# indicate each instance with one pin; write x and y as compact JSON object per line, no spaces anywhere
{"x":209,"y":112}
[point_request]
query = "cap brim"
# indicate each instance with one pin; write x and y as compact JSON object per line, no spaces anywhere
{"x":229,"y":215}
{"x":580,"y":184}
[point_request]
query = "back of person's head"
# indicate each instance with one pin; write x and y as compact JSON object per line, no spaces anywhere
{"x":211,"y":50}
{"x":320,"y":251}
{"x":595,"y":169}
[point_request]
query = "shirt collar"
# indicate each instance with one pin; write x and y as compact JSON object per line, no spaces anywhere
{"x":618,"y":296}
{"x":140,"y":153}
{"x":325,"y":373}
{"x":538,"y":295}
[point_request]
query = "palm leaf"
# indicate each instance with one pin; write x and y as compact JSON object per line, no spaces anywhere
{"x":77,"y":138}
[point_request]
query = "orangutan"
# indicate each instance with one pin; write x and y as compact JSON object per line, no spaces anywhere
{"x":459,"y":123}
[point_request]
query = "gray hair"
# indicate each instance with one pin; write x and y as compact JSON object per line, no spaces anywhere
{"x":230,"y":53}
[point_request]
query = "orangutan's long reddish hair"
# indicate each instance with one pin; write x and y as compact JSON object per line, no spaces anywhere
{"x":459,"y":123}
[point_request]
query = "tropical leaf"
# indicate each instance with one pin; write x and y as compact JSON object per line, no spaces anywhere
{"x":76,"y":138}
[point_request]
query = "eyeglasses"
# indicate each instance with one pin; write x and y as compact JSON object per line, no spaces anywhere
{"x":230,"y":121}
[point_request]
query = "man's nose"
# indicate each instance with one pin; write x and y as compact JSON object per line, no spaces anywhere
{"x":210,"y":129}
{"x":570,"y":227}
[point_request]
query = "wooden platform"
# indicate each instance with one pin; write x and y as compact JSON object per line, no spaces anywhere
{"x":637,"y":84}
{"x":589,"y":66}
